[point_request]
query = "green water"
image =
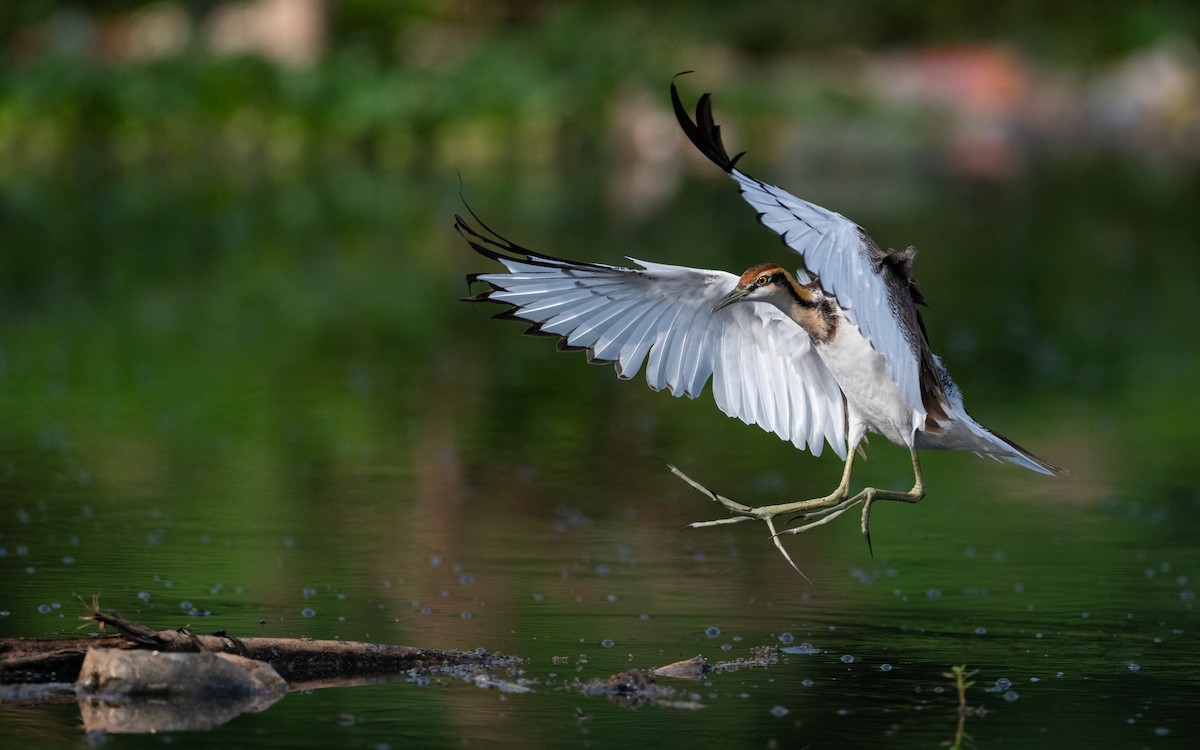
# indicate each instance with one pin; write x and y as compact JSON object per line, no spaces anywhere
{"x":255,"y":403}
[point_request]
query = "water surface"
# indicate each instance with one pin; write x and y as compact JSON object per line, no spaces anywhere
{"x":308,"y":435}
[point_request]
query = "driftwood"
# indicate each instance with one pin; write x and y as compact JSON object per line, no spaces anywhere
{"x":145,"y":680}
{"x":697,"y":667}
{"x":133,"y":690}
{"x":304,"y":663}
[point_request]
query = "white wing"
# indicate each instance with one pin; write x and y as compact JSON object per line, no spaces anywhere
{"x":762,"y":364}
{"x":834,"y":248}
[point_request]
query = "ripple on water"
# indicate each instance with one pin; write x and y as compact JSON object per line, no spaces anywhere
{"x":805,"y":649}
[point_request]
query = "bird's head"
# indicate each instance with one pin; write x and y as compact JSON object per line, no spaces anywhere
{"x":768,"y":282}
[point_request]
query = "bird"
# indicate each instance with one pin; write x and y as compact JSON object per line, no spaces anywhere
{"x":820,"y":356}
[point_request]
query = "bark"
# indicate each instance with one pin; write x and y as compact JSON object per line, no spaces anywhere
{"x":304,"y":663}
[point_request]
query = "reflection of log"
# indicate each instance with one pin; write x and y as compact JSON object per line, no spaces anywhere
{"x":304,"y":663}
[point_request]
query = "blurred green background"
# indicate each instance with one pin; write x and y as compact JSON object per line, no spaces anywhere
{"x":235,"y":216}
{"x":233,"y":363}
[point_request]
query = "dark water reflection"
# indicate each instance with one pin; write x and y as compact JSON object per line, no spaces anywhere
{"x":385,"y":464}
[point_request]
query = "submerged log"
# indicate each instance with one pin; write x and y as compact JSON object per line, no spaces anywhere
{"x":145,"y":680}
{"x":304,"y":663}
{"x":136,"y":691}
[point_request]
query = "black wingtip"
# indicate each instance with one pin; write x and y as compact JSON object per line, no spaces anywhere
{"x":703,"y":132}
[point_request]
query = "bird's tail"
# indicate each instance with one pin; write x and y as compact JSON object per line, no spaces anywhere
{"x":1010,"y":451}
{"x":965,"y":433}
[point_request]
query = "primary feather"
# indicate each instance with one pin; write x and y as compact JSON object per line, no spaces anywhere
{"x":850,"y":265}
{"x":762,"y":365}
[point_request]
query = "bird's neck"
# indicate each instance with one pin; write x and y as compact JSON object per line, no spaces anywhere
{"x":812,"y":310}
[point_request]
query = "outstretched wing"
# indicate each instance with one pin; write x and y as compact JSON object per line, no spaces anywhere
{"x":762,"y":364}
{"x":875,"y":289}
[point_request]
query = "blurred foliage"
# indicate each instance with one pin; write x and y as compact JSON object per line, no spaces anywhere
{"x":225,"y":251}
{"x":1075,"y":30}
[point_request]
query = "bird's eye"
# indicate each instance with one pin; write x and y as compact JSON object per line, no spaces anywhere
{"x":762,"y":280}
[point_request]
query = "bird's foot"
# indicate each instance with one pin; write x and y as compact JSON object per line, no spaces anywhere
{"x":823,"y":515}
{"x":809,"y":513}
{"x":829,"y":504}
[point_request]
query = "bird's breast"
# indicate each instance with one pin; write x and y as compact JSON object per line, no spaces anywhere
{"x":862,"y":374}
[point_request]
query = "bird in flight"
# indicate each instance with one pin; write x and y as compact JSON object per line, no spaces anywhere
{"x":822,"y":356}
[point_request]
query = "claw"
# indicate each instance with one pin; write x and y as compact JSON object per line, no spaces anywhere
{"x":783,"y":551}
{"x":866,"y":526}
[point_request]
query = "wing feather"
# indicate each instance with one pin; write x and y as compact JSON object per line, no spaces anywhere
{"x":763,"y":367}
{"x":838,"y":251}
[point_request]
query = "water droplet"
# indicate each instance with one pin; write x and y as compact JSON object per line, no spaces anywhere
{"x":607,"y":643}
{"x":933,"y":593}
{"x":847,"y":659}
{"x":806,"y":682}
{"x":1011,"y":696}
{"x":713,"y":631}
{"x":465,"y":615}
{"x":885,"y":667}
{"x":1135,"y":667}
{"x":1003,"y":684}
{"x":980,"y":630}
{"x":45,"y":609}
{"x":779,"y":712}
{"x":308,"y":612}
{"x":786,"y":638}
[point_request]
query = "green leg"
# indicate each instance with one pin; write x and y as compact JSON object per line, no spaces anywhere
{"x":812,"y":513}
